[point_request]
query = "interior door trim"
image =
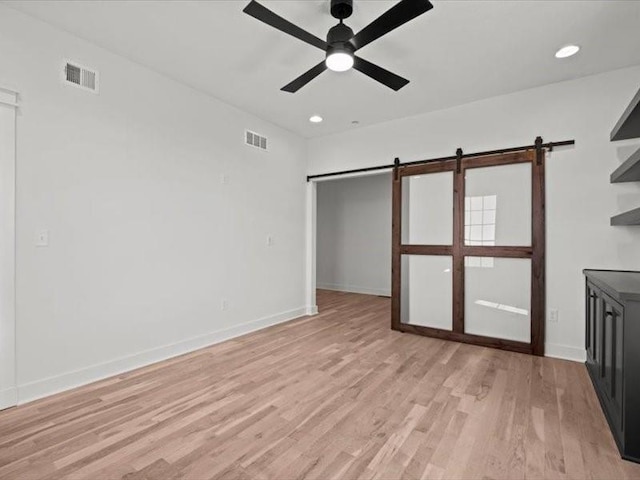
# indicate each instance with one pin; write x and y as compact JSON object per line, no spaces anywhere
{"x":8,"y":128}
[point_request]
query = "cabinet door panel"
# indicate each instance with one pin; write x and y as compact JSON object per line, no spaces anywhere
{"x":613,"y":356}
{"x":592,"y":302}
{"x":599,"y":338}
{"x":607,"y":365}
{"x":618,"y":379}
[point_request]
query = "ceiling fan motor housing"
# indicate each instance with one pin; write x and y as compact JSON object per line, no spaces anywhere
{"x":341,"y":9}
{"x":339,"y":37}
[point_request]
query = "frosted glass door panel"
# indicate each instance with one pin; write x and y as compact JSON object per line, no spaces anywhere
{"x":426,"y":296}
{"x":498,"y":206}
{"x":427,"y":209}
{"x":497,"y":297}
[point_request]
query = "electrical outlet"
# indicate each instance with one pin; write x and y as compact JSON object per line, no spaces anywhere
{"x":224,"y":179}
{"x":553,"y":315}
{"x":42,"y":238}
{"x":224,"y":305}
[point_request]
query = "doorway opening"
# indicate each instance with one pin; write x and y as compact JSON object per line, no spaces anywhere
{"x":468,"y":245}
{"x":353,"y":235}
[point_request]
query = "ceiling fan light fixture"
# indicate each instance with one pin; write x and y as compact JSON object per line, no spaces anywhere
{"x":339,"y":61}
{"x":341,"y":43}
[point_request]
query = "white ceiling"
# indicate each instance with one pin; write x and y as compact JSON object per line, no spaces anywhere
{"x":458,"y":52}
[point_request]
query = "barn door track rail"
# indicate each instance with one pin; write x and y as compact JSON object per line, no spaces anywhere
{"x":538,"y":145}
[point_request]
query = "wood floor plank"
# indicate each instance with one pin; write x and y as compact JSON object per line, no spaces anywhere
{"x":338,"y":395}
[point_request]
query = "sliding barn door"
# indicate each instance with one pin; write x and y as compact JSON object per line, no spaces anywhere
{"x":468,"y":250}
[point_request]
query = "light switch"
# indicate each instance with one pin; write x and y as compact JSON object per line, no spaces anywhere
{"x":269,"y":240}
{"x":42,"y":238}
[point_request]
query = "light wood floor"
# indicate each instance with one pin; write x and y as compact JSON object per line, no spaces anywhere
{"x":338,"y":395}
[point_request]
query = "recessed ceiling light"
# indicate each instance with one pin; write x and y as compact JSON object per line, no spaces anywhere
{"x":567,"y":51}
{"x":315,"y":119}
{"x":355,"y":122}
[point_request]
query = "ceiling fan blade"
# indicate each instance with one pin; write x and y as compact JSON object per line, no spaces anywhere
{"x":267,"y":16}
{"x":305,"y":78}
{"x":383,"y":76}
{"x":396,"y":16}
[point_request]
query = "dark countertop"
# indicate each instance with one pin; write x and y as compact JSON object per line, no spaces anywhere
{"x":622,"y":284}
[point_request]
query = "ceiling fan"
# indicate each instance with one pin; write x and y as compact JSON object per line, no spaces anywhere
{"x":341,"y":43}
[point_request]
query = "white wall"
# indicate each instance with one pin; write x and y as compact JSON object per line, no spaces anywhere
{"x":354,"y":234}
{"x":580,"y":199}
{"x":8,"y":392}
{"x":145,"y":240}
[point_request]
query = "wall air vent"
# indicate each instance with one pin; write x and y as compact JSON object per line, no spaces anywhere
{"x":81,"y":77}
{"x":254,"y":140}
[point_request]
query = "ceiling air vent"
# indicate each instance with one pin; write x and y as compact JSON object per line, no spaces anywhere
{"x":254,"y":140}
{"x":81,"y":77}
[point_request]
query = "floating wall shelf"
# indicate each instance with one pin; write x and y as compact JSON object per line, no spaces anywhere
{"x":629,"y":124}
{"x":628,"y":218}
{"x":629,"y":171}
{"x":628,"y":127}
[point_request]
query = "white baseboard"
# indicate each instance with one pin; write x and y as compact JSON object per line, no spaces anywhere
{"x":565,"y":352}
{"x":66,"y":381}
{"x":8,"y":397}
{"x":354,"y":289}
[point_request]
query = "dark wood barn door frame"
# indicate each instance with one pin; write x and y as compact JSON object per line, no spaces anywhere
{"x":458,"y":250}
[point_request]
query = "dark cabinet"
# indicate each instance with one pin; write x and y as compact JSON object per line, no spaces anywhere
{"x":612,"y":307}
{"x":593,"y":327}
